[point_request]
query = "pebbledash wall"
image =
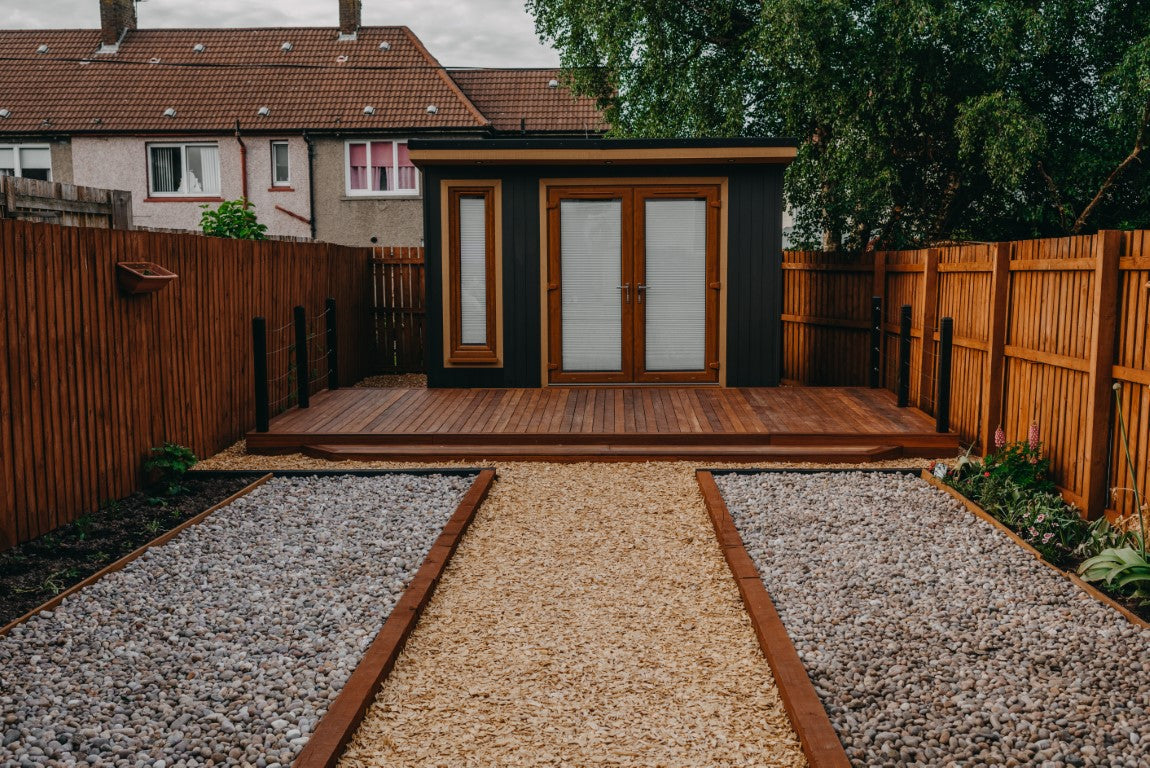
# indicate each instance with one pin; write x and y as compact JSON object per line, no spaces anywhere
{"x":392,"y":220}
{"x":122,"y":163}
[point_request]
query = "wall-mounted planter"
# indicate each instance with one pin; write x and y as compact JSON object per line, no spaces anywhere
{"x":142,"y":276}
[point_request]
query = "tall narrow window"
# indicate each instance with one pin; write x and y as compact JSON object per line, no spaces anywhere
{"x":281,"y":169}
{"x":471,"y":272}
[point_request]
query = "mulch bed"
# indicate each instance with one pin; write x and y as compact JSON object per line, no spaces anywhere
{"x":38,"y":570}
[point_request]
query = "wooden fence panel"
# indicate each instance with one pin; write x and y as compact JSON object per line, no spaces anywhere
{"x":66,"y":204}
{"x":1042,"y":330}
{"x":826,"y":319}
{"x":399,"y":296}
{"x":90,"y":378}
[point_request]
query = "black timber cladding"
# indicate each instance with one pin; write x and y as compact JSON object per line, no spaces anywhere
{"x":754,"y":264}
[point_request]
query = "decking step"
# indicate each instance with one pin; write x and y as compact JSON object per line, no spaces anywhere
{"x":603,"y":452}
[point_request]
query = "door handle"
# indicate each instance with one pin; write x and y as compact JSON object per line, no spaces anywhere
{"x":626,"y":289}
{"x":641,"y":289}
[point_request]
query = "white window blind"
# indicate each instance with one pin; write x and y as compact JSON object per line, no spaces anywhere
{"x":676,"y":279}
{"x":473,"y":269}
{"x":591,"y":268}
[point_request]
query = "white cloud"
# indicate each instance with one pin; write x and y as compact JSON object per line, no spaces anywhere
{"x":485,"y":33}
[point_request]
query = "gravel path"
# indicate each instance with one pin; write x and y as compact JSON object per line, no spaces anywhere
{"x":587,"y":618}
{"x":226,"y":645}
{"x":932,"y":638}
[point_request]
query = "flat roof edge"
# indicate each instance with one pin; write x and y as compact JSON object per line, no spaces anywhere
{"x":600,"y":151}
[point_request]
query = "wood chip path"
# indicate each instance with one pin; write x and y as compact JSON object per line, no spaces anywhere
{"x":586,"y":619}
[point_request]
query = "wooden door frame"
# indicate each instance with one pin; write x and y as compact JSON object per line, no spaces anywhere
{"x":552,"y":277}
{"x":710,"y":372}
{"x":545,"y":184}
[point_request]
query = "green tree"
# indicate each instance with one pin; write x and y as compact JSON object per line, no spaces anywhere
{"x":918,"y":120}
{"x":234,"y":219}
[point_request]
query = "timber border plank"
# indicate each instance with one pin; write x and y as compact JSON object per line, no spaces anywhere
{"x":336,"y":728}
{"x":805,"y":710}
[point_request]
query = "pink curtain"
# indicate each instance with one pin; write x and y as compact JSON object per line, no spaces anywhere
{"x":381,"y":159}
{"x":357,"y":160}
{"x":406,"y":169}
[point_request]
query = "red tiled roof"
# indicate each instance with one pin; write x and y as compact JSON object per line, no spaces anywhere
{"x":508,"y":96}
{"x":322,"y":83}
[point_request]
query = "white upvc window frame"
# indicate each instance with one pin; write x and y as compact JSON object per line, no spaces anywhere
{"x":18,"y":169}
{"x":183,"y":146}
{"x":272,"y":150}
{"x":415,"y":192}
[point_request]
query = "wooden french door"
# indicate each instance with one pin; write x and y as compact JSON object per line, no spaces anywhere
{"x":633,"y":284}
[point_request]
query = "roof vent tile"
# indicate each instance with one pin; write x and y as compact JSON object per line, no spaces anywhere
{"x":169,"y":112}
{"x":286,"y":47}
{"x":42,"y":48}
{"x":5,"y":113}
{"x":432,"y":109}
{"x":369,"y":110}
{"x":199,"y":48}
{"x":263,"y":111}
{"x":385,"y":46}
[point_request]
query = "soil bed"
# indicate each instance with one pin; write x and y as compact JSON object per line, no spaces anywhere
{"x":38,"y":570}
{"x":932,"y":638}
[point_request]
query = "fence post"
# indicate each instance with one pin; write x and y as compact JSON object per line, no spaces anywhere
{"x":929,"y":326}
{"x":260,"y":369}
{"x":301,"y":368}
{"x":1104,"y":322}
{"x":875,"y":342}
{"x":904,"y":357}
{"x":332,"y":347}
{"x":992,"y":378}
{"x":942,"y":402}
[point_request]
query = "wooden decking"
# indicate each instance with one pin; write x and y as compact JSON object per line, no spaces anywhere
{"x":699,"y":423}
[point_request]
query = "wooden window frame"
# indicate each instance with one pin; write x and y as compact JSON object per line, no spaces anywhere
{"x":458,"y":353}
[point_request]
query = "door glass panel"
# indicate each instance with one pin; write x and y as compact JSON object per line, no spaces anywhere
{"x":676,"y":278}
{"x":590,"y":236}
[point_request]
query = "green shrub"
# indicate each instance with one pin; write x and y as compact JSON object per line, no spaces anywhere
{"x":1023,"y":464}
{"x":164,"y":470}
{"x":235,"y":219}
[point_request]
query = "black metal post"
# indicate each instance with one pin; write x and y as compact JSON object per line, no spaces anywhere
{"x":904,"y":357}
{"x":332,"y":348}
{"x":260,"y":369}
{"x":945,"y":347}
{"x":301,"y":369}
{"x":875,"y":341}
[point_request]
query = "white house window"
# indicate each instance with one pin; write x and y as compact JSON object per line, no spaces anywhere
{"x":184,"y":170}
{"x":380,"y":168}
{"x":281,"y":167}
{"x":32,"y":161}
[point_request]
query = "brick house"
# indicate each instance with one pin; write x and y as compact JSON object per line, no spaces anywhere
{"x":310,"y":124}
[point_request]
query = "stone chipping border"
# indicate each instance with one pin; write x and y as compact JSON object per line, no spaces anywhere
{"x":931,"y":638}
{"x":226,"y":645}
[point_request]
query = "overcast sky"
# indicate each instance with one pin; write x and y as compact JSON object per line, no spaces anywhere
{"x":487,"y":33}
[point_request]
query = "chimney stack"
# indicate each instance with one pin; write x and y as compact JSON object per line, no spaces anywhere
{"x":116,"y":18}
{"x":349,"y":18}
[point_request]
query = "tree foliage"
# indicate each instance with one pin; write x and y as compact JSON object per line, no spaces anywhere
{"x":918,"y":120}
{"x":233,"y":219}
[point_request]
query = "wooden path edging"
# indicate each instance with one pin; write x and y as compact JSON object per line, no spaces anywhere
{"x":982,"y":514}
{"x":819,"y":741}
{"x":336,"y":728}
{"x":123,"y":561}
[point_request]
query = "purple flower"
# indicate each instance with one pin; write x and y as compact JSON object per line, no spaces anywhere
{"x":1046,"y":537}
{"x":1032,"y":436}
{"x":1041,"y":518}
{"x":999,"y":438}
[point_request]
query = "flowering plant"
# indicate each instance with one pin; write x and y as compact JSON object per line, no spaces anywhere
{"x":1048,"y":524}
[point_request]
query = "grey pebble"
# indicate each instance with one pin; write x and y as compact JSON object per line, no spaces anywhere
{"x":229,"y":642}
{"x":933,"y":639}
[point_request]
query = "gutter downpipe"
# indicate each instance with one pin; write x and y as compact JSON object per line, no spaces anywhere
{"x":243,"y":164}
{"x":310,"y":181}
